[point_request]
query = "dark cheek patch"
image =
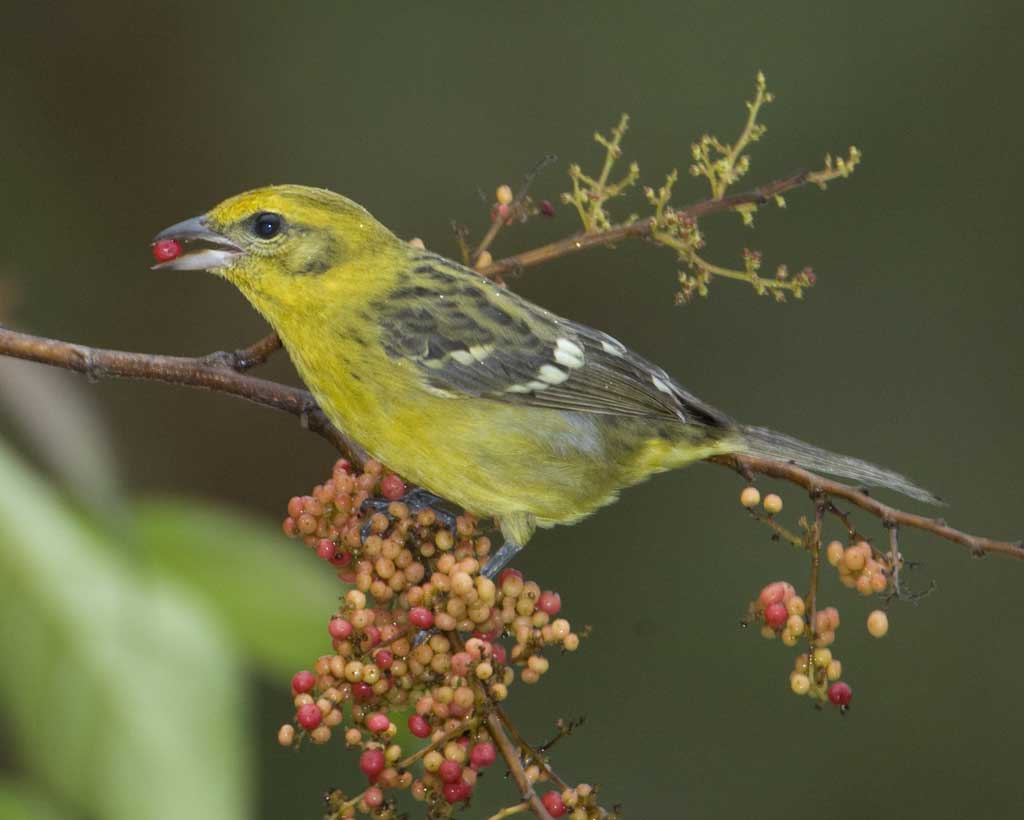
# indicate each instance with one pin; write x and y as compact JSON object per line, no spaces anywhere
{"x":318,"y":253}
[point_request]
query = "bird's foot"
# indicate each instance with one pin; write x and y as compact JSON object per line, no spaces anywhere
{"x":416,"y":500}
{"x":500,"y":559}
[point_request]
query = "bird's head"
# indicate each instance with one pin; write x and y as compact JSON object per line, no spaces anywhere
{"x":286,"y":247}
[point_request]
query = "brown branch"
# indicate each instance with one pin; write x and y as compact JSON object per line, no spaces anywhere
{"x":642,"y":228}
{"x":816,"y":485}
{"x":219,"y":372}
{"x":202,"y":372}
{"x":515,"y":766}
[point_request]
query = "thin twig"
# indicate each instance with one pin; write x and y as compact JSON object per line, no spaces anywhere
{"x":513,"y":208}
{"x":642,"y":228}
{"x":508,"y":811}
{"x":815,"y":484}
{"x":536,"y":755}
{"x":814,"y":546}
{"x":895,"y":559}
{"x":515,"y":766}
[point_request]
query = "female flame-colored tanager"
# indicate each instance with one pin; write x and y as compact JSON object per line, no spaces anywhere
{"x":463,"y":387}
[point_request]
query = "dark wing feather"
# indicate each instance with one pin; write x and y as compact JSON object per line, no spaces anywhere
{"x":467,"y":337}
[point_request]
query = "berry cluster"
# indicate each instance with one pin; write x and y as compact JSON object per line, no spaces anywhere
{"x":859,"y":567}
{"x":506,"y":210}
{"x":399,"y":646}
{"x":790,"y":617}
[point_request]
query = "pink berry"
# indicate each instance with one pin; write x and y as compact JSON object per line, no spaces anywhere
{"x":372,"y":635}
{"x":384,"y":659}
{"x":500,"y":654}
{"x":342,"y":559}
{"x":374,"y":797}
{"x":421,"y":617}
{"x":419,"y":726}
{"x":840,"y":693}
{"x":392,"y":487}
{"x":773,"y":593}
{"x":775,"y":615}
{"x":303,"y":681}
{"x":372,"y":762}
{"x":377,"y":722}
{"x":453,"y":792}
{"x":309,"y":716}
{"x":508,"y":572}
{"x":482,"y":755}
{"x":553,"y":803}
{"x":549,"y":602}
{"x":325,"y":549}
{"x":339,"y":628}
{"x":450,"y":771}
{"x":166,"y":250}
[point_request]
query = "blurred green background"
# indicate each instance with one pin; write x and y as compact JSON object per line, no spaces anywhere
{"x":150,"y":614}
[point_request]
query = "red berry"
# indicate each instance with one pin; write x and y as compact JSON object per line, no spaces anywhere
{"x":421,"y":616}
{"x":342,"y":559}
{"x":450,"y":771}
{"x":309,"y":716}
{"x":339,"y":628}
{"x":372,"y":762}
{"x":549,"y":602}
{"x":546,"y":208}
{"x":454,"y":792}
{"x":325,"y":549}
{"x":507,"y":573}
{"x":166,"y":250}
{"x":419,"y":725}
{"x":377,"y":722}
{"x":392,"y":487}
{"x":553,"y":803}
{"x":303,"y":681}
{"x":840,"y":693}
{"x":373,"y":796}
{"x":482,"y":755}
{"x":384,"y":658}
{"x":775,"y":615}
{"x":361,"y":692}
{"x":372,"y":635}
{"x":500,"y":654}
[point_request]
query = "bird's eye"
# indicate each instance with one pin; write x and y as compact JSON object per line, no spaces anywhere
{"x":267,"y":225}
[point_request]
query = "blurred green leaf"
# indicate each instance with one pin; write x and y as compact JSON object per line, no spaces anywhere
{"x":272,"y":596}
{"x":120,"y":690}
{"x":61,"y":420}
{"x":19,"y":801}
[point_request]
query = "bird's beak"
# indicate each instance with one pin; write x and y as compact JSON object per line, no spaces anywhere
{"x":202,"y":248}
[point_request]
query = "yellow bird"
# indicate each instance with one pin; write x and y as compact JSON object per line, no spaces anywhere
{"x":461,"y":386}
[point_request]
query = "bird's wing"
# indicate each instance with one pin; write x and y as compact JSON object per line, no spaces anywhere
{"x":467,"y":337}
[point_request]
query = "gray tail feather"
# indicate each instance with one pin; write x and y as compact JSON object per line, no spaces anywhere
{"x":759,"y":441}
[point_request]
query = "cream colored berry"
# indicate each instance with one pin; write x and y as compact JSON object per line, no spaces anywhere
{"x":750,"y":497}
{"x":878,"y":623}
{"x":772,"y":504}
{"x":799,"y":683}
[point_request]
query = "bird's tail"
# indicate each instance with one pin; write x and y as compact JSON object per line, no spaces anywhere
{"x":764,"y":443}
